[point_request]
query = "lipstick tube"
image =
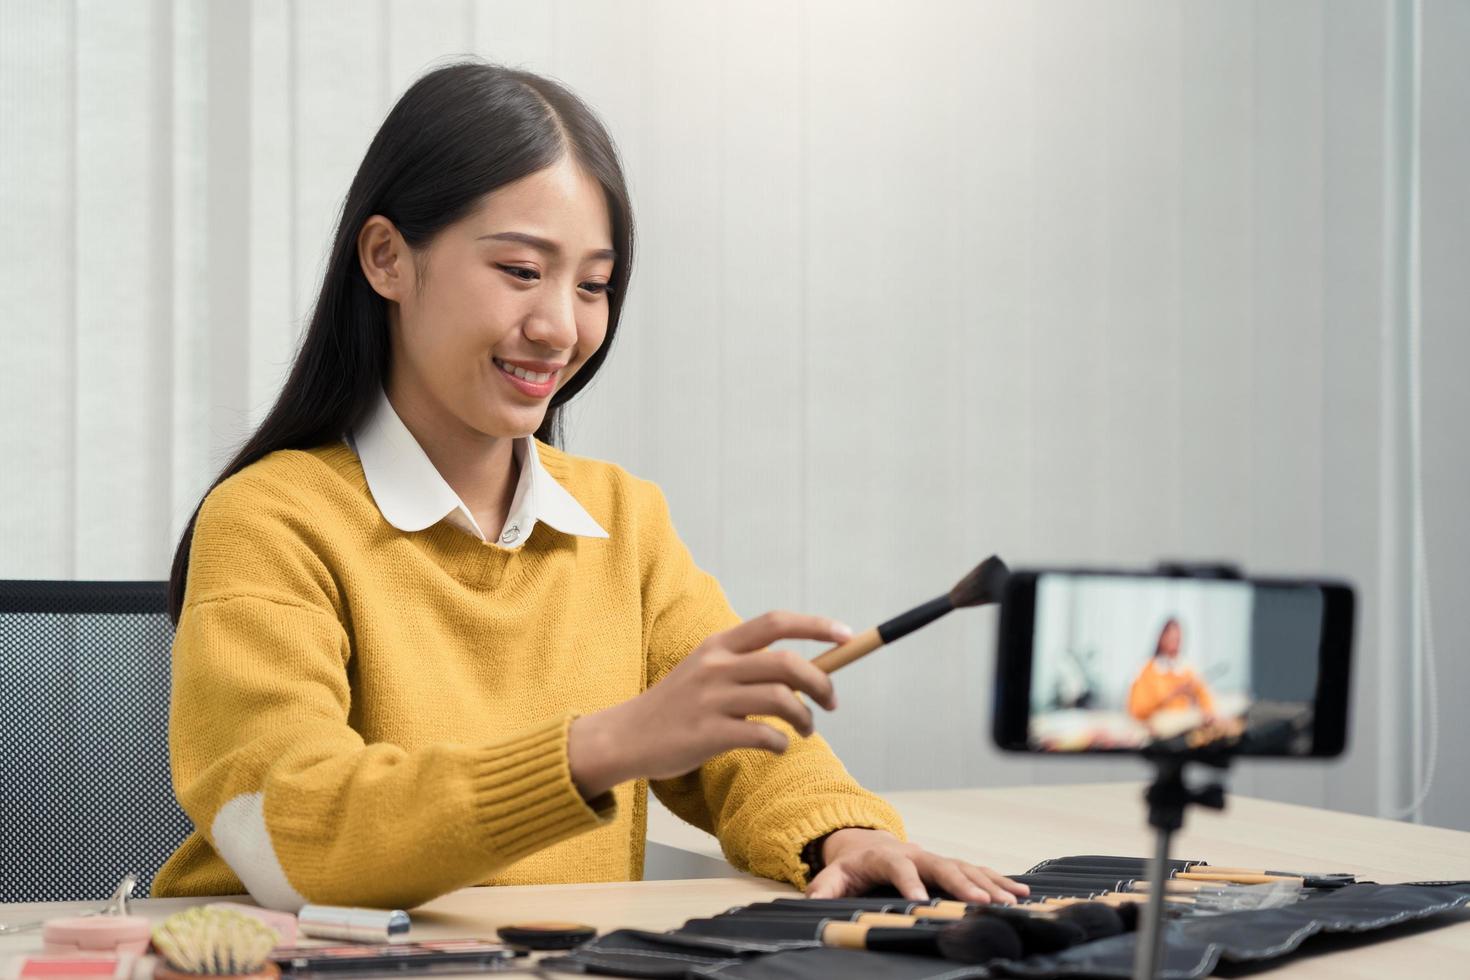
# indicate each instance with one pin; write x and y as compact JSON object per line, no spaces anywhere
{"x":354,"y":925}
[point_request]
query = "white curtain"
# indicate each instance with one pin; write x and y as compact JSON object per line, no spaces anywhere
{"x":1071,"y":282}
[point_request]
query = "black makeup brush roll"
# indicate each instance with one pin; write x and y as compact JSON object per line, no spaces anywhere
{"x":1193,"y":945}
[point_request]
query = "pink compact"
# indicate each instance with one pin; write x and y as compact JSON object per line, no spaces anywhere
{"x":97,"y":934}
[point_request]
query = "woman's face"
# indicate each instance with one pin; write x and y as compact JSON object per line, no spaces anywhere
{"x":1169,"y":641}
{"x":517,"y":285}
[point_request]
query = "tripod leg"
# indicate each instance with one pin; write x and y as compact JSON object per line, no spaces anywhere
{"x":1151,"y":930}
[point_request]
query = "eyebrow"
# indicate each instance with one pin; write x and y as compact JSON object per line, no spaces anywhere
{"x":545,"y":245}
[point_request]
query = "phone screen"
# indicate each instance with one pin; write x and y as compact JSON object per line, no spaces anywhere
{"x":1124,"y":662}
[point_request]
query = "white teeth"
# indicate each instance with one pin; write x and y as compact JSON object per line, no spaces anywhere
{"x":522,"y":373}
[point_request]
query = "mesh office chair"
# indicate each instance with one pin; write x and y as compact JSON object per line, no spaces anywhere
{"x":85,"y":790}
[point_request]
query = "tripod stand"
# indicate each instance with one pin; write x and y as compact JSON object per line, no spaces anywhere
{"x":1167,"y":798}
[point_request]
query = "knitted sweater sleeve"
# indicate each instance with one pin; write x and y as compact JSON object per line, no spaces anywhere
{"x":273,"y":776}
{"x":764,"y":808}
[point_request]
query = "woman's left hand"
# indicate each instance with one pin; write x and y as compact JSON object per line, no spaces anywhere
{"x":858,"y":859}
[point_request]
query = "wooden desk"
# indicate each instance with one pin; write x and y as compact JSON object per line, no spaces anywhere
{"x":1010,"y":829}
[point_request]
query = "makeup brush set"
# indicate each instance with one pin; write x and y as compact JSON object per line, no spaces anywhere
{"x":1080,"y":920}
{"x":1190,"y":887}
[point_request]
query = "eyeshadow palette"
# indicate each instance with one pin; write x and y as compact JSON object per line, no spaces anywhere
{"x":395,"y":959}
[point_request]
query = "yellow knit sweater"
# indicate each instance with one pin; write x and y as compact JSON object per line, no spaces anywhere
{"x":366,"y":716}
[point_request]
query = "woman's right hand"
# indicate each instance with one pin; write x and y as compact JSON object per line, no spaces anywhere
{"x":699,"y":709}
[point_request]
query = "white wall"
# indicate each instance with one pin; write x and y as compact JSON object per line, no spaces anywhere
{"x":1071,"y":282}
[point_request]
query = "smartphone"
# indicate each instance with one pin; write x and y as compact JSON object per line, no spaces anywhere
{"x":1108,"y":660}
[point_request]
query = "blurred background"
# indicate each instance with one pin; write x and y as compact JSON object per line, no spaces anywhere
{"x":1076,"y":283}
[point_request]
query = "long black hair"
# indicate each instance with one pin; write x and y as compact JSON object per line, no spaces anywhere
{"x":1159,"y":643}
{"x":457,"y":134}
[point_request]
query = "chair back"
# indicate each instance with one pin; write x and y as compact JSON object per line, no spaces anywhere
{"x":86,"y":795}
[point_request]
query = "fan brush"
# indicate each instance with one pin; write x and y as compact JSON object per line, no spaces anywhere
{"x":214,"y":942}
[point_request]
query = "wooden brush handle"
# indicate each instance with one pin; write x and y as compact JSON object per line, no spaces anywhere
{"x":845,"y":935}
{"x":888,"y":919}
{"x":1174,"y":886}
{"x":1216,"y":869}
{"x":1236,"y":879}
{"x":1107,"y":898}
{"x":927,"y":915}
{"x":843,"y":654}
{"x":936,"y":913}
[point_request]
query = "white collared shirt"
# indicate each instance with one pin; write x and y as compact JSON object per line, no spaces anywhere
{"x":412,"y":495}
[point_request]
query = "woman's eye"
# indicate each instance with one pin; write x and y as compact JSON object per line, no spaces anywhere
{"x":516,"y":270}
{"x":531,"y":275}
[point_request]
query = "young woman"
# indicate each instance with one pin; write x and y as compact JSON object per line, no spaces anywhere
{"x":418,"y":646}
{"x":1165,"y":684}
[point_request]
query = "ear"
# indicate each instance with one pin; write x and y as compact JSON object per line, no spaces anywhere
{"x":384,"y":257}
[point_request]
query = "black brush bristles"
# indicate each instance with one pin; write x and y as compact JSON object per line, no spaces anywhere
{"x":916,"y":940}
{"x":1046,"y":935}
{"x":1097,"y":920}
{"x":979,"y":939}
{"x":982,"y":585}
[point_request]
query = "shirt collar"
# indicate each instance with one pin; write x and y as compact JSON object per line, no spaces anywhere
{"x":412,"y":495}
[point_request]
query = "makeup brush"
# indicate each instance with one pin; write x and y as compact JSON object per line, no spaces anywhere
{"x":1096,"y":919}
{"x":1138,"y":867}
{"x":1113,"y":864}
{"x":971,"y":941}
{"x":1305,"y":875}
{"x":1117,"y":900}
{"x":1039,"y":933}
{"x":982,"y":586}
{"x":1200,"y":875}
{"x":977,"y":938}
{"x":1104,"y":882}
{"x":865,"y":904}
{"x":974,"y":938}
{"x":930,"y":909}
{"x":215,"y":942}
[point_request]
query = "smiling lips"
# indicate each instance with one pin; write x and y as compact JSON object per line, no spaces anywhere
{"x":534,"y":378}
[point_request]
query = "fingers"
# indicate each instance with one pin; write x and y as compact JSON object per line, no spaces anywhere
{"x":955,"y":879}
{"x":904,"y":875}
{"x":855,"y":874}
{"x":771,"y":699}
{"x":983,"y":887}
{"x":830,"y":882}
{"x":763,"y":630}
{"x":907,"y":868}
{"x":1000,"y":888}
{"x":750,"y":735}
{"x":788,"y":668}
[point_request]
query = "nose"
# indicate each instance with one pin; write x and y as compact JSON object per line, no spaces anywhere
{"x":553,"y":321}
